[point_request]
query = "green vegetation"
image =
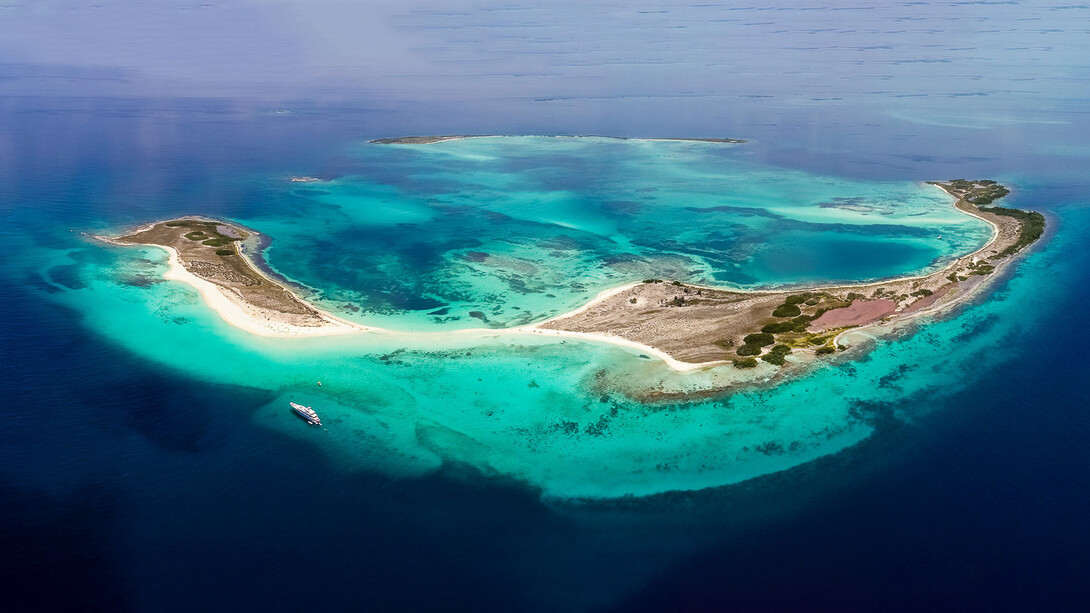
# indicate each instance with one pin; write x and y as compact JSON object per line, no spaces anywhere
{"x":778,"y":327}
{"x":987,"y":195}
{"x":745,"y":363}
{"x":677,"y":283}
{"x":981,"y":269}
{"x":984,"y":192}
{"x":980,"y":192}
{"x":774,"y":359}
{"x":787,"y":310}
{"x":780,"y":350}
{"x":745,"y":350}
{"x":798,"y":324}
{"x":759,"y":338}
{"x":798,"y":298}
{"x":827,"y":349}
{"x":652,"y":280}
{"x":922,"y":293}
{"x":777,"y":354}
{"x":206,"y":233}
{"x":1032,"y":227}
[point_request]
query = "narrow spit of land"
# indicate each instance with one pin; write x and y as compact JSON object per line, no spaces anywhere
{"x":701,"y":325}
{"x":687,"y":326}
{"x":427,"y":140}
{"x":208,"y":255}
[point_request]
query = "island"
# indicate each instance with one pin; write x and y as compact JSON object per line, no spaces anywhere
{"x":211,"y":256}
{"x":704,"y":325}
{"x":427,"y":140}
{"x":687,"y":326}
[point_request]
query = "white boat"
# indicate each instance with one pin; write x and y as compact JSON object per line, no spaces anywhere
{"x":306,"y":413}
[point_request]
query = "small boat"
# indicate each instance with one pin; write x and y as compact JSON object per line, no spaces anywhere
{"x":306,"y":413}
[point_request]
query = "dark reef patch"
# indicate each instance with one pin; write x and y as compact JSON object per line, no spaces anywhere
{"x":67,"y":275}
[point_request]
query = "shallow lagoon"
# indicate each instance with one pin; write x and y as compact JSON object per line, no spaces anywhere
{"x":517,"y":229}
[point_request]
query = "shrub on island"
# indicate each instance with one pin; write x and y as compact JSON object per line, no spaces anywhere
{"x":787,"y":310}
{"x":780,"y":350}
{"x":777,"y":355}
{"x":225,"y":252}
{"x":745,"y":363}
{"x":759,"y":338}
{"x":1033,"y":226}
{"x":778,"y":327}
{"x":827,"y":349}
{"x":745,"y":350}
{"x":798,"y":324}
{"x":774,"y":359}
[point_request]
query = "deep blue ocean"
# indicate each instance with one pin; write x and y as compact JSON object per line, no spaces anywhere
{"x":130,"y":479}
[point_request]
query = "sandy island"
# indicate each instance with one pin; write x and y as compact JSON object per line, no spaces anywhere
{"x":209,"y":255}
{"x":687,"y":326}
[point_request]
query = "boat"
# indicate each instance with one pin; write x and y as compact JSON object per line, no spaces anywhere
{"x":306,"y":413}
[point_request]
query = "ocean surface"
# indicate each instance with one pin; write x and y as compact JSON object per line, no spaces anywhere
{"x":148,"y":460}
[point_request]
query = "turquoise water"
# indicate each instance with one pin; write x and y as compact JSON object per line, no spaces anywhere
{"x":517,"y":229}
{"x":558,"y":416}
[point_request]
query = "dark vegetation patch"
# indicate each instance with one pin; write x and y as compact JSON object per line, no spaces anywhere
{"x":1032,"y":227}
{"x":67,"y":275}
{"x":797,"y":324}
{"x":746,"y":350}
{"x":787,"y":310}
{"x":980,"y":268}
{"x":760,"y":339}
{"x":745,"y":363}
{"x":777,"y":355}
